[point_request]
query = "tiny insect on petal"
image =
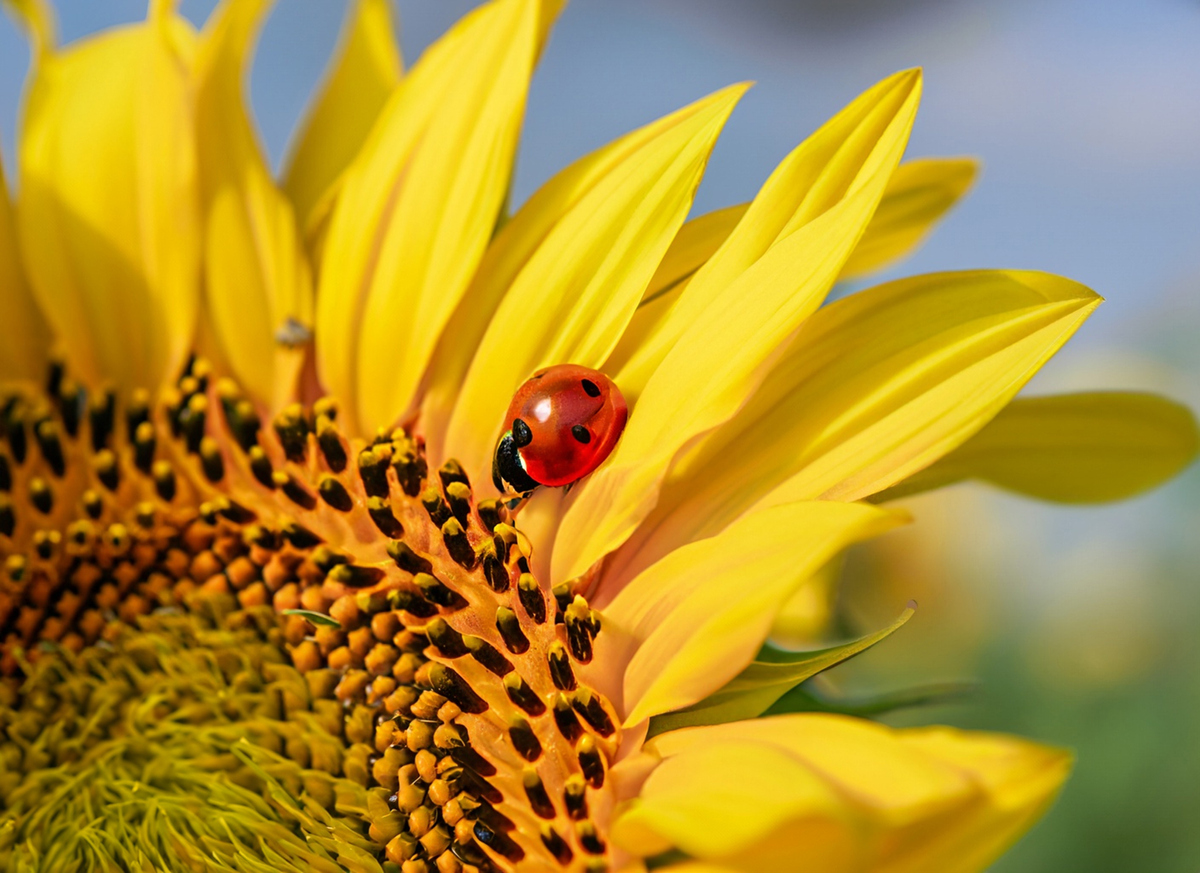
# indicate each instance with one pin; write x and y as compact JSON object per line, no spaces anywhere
{"x":563,"y":423}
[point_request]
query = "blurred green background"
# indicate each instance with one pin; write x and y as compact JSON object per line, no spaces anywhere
{"x":1080,"y":624}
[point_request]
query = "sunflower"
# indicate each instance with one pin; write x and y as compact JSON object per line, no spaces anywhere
{"x":262,"y":607}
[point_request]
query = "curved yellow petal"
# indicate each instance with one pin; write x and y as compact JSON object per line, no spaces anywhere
{"x":257,"y":285}
{"x":876,"y":386}
{"x":746,"y":792}
{"x":826,"y":169}
{"x":416,"y":210}
{"x":37,"y":17}
{"x":883,"y":382}
{"x":316,"y":217}
{"x":919,"y":194}
{"x":689,"y":623}
{"x":24,"y":354}
{"x":739,"y":309}
{"x":358,"y":84}
{"x":548,"y":12}
{"x":1071,"y":448}
{"x":847,"y":796}
{"x":695,"y":243}
{"x":507,"y":256}
{"x":577,"y":291}
{"x":107,"y":204}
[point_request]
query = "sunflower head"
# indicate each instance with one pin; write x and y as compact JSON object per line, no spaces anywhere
{"x":285,"y":597}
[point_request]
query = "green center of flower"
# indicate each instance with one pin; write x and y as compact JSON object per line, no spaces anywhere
{"x":314,"y":630}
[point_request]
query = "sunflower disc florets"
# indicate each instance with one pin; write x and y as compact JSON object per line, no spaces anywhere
{"x":429,"y":649}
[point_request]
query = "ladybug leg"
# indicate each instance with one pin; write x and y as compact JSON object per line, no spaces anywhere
{"x":514,"y":504}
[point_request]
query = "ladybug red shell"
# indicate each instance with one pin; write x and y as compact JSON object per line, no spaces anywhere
{"x":560,"y":426}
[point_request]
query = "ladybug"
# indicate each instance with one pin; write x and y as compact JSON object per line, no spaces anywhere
{"x":560,"y":426}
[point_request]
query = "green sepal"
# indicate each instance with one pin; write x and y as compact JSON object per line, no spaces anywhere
{"x":772,"y":674}
{"x":809,"y":697}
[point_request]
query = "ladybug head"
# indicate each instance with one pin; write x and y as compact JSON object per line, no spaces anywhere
{"x":507,"y":465}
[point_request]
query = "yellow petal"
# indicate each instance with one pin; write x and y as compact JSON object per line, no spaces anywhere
{"x":578,"y":289}
{"x":26,"y":347}
{"x":772,"y":674}
{"x":920,"y":193}
{"x":846,"y":795}
{"x":258,"y":289}
{"x":106,"y":209}
{"x":691,"y":622}
{"x":858,"y":146}
{"x":876,"y":386}
{"x":737,"y":311}
{"x":1072,"y":448}
{"x":315,"y":217}
{"x":359,"y":82}
{"x":885,"y":381}
{"x":726,"y":796}
{"x":695,"y":243}
{"x":548,"y":13}
{"x":37,"y":17}
{"x":417,"y":208}
{"x":507,"y":256}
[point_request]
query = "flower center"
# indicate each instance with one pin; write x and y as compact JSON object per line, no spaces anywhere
{"x":400,"y":598}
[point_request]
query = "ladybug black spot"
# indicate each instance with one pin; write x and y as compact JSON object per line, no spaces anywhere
{"x":521,"y":434}
{"x":591,"y":389}
{"x":581,"y":434}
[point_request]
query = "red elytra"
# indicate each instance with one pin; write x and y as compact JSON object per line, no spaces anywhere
{"x":563,"y":422}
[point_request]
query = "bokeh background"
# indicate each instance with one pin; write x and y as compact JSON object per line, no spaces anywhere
{"x":1081,"y":626}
